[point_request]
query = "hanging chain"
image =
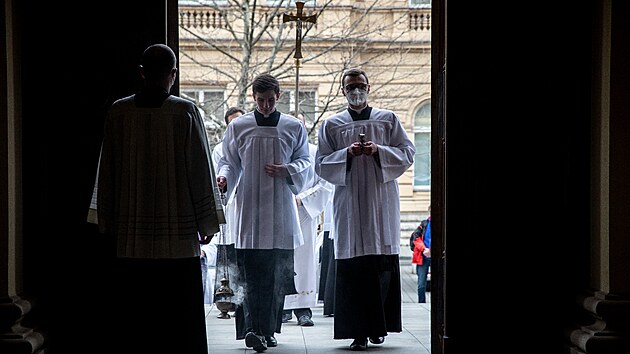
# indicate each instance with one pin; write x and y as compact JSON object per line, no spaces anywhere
{"x":224,"y":248}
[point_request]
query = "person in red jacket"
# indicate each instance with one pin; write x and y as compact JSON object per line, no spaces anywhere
{"x":420,"y":243}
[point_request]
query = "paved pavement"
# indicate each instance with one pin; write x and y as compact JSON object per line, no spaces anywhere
{"x":294,"y":339}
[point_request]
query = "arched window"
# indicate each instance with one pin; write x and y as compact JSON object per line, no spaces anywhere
{"x":422,"y":141}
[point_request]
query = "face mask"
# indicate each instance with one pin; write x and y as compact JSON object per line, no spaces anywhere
{"x":357,"y":97}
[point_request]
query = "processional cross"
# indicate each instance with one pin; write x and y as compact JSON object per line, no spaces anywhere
{"x":299,"y":18}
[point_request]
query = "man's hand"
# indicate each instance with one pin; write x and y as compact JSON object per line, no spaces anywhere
{"x":370,"y":148}
{"x":204,"y":240}
{"x":276,"y":170}
{"x":222,"y":183}
{"x":356,"y":149}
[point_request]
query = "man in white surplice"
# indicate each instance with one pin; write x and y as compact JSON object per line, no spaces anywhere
{"x":265,"y":157}
{"x":362,"y":151}
{"x":225,"y":243}
{"x":310,"y":203}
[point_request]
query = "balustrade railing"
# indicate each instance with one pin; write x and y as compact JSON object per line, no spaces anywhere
{"x":196,"y":18}
{"x":419,"y":20}
{"x":200,"y":17}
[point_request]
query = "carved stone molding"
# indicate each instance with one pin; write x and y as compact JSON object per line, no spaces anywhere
{"x":17,"y":335}
{"x":608,"y":331}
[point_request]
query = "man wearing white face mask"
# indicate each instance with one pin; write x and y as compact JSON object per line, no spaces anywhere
{"x":362,"y":151}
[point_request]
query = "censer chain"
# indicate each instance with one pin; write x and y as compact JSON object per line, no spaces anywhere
{"x":224,"y":248}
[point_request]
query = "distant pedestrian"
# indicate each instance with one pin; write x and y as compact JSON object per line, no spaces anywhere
{"x":420,"y":243}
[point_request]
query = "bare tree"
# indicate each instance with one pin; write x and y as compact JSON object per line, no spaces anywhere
{"x":227,"y":43}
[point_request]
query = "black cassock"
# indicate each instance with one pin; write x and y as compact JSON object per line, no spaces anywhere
{"x":327,"y":275}
{"x":157,"y":307}
{"x":367,"y":297}
{"x":266,"y":276}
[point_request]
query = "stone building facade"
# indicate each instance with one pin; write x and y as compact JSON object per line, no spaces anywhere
{"x":222,"y":47}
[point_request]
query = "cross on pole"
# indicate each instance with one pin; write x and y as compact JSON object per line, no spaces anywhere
{"x":298,"y":18}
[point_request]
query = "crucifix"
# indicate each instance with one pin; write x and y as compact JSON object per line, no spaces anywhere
{"x":299,"y":18}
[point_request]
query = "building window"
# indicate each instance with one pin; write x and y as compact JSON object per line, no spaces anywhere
{"x":307,"y":104}
{"x":306,"y":2}
{"x":420,"y":3}
{"x":211,"y":103}
{"x":202,"y":2}
{"x":422,"y":141}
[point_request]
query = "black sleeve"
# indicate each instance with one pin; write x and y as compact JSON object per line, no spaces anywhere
{"x":414,"y":235}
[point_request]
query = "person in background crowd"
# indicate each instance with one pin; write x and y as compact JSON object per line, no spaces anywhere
{"x":226,"y":251}
{"x":310,"y":204}
{"x":420,"y":243}
{"x":156,"y":200}
{"x":327,"y":259}
{"x":362,"y":151}
{"x":266,"y":163}
{"x":208,"y":269}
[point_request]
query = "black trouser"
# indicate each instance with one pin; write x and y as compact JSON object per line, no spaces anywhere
{"x":265,"y":276}
{"x":299,"y":312}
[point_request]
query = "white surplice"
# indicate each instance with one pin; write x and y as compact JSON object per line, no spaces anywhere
{"x":267,"y":213}
{"x":366,"y":202}
{"x":314,"y":200}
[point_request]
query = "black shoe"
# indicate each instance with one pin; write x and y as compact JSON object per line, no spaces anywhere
{"x":377,"y":340}
{"x":271,"y":341}
{"x":286,"y":317}
{"x":305,"y":320}
{"x":359,"y":344}
{"x":255,"y":342}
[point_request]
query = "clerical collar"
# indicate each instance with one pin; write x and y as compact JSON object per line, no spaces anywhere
{"x":151,"y":97}
{"x":364,"y":115}
{"x":270,"y":121}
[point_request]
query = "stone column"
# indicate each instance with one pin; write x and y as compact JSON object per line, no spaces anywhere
{"x":16,"y":336}
{"x":606,"y":328}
